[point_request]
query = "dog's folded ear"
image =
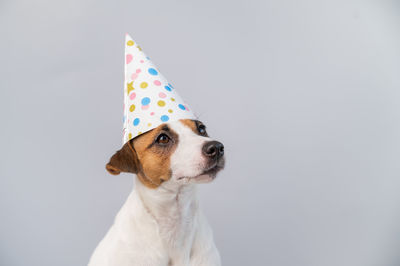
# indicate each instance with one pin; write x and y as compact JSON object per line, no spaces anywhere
{"x":124,"y":160}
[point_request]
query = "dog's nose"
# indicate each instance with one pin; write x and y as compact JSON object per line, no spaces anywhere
{"x":213,"y":149}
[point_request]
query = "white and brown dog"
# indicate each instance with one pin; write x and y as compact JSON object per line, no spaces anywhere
{"x":161,"y":223}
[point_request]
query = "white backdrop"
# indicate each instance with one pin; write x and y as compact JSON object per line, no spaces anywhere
{"x":304,"y":95}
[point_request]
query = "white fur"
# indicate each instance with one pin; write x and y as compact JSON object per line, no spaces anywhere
{"x":164,"y":226}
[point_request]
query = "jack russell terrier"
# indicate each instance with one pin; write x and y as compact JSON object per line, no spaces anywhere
{"x":161,"y":224}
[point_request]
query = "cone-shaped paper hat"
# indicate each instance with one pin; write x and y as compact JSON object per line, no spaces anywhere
{"x":149,"y":100}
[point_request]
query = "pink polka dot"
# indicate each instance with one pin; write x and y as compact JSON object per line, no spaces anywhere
{"x":145,"y":107}
{"x":132,"y":96}
{"x":157,"y":83}
{"x":141,"y":61}
{"x":138,"y":70}
{"x":152,"y":113}
{"x":187,"y":109}
{"x":134,"y":76}
{"x":129,"y":58}
{"x":162,"y":95}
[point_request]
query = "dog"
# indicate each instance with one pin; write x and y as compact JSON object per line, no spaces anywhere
{"x":161,"y":224}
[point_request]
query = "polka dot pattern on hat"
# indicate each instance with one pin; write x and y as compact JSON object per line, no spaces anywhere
{"x":149,"y":100}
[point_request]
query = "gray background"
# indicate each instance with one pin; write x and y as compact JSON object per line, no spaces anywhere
{"x":304,"y":95}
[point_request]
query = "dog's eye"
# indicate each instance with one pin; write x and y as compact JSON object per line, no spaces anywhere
{"x":163,"y":139}
{"x":202,"y":130}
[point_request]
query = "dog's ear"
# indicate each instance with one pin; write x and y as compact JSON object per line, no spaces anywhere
{"x":124,"y":160}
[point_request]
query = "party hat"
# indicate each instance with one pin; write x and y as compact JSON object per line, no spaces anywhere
{"x":149,"y":100}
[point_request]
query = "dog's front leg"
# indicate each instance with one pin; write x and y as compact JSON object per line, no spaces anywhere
{"x":204,"y":252}
{"x":205,"y":258}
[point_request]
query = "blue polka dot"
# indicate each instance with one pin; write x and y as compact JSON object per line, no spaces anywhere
{"x":169,"y":84}
{"x":181,"y":106}
{"x":123,"y":119}
{"x":145,"y":100}
{"x":164,"y":118}
{"x":168,"y":88}
{"x":152,"y":71}
{"x":136,"y":121}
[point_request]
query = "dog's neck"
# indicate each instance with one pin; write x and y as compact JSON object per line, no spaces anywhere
{"x":174,"y":209}
{"x":168,"y":201}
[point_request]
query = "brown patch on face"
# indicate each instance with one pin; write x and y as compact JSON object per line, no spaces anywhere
{"x":190,"y":124}
{"x":148,"y":155}
{"x":154,"y":157}
{"x":196,"y":126}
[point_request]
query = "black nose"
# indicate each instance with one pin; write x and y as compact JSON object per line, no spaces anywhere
{"x":213,"y":149}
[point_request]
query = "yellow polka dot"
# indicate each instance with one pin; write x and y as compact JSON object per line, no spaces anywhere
{"x":172,"y":99}
{"x":140,"y":49}
{"x":130,"y":136}
{"x":132,"y":108}
{"x":170,"y":111}
{"x":149,"y":124}
{"x":139,"y":133}
{"x":143,"y":85}
{"x":161,"y":103}
{"x":130,"y":43}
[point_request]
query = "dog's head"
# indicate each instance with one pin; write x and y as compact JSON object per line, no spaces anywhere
{"x":179,"y":152}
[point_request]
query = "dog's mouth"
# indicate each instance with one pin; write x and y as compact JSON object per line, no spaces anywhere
{"x":210,"y":171}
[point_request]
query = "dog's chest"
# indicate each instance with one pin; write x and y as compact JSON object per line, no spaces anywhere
{"x":176,"y":224}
